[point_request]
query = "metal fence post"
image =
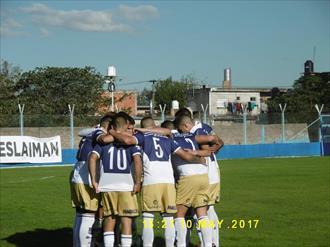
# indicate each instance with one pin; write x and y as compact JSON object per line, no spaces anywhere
{"x":204,"y":112}
{"x":283,"y":121}
{"x":319,"y":110}
{"x":244,"y":123}
{"x":21,"y":118}
{"x":162,"y":110}
{"x":71,"y":109}
{"x":263,"y":134}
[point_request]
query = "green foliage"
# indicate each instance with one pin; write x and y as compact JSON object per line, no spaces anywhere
{"x":9,"y":75}
{"x":50,"y":90}
{"x":168,"y":90}
{"x":307,"y":91}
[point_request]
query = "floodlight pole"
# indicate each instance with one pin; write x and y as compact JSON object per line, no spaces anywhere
{"x":21,"y":118}
{"x":162,"y":110}
{"x":204,"y":112}
{"x":319,"y":110}
{"x":71,"y":110}
{"x":244,"y":122}
{"x":283,"y":121}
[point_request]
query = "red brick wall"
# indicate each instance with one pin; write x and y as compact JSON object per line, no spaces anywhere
{"x":124,"y":100}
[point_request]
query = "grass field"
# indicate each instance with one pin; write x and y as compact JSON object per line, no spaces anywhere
{"x":290,"y":198}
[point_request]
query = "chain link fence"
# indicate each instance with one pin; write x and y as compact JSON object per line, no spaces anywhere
{"x":233,"y":129}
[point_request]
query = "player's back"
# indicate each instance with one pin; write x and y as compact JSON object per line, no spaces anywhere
{"x":80,"y":171}
{"x":157,"y":152}
{"x":116,"y":163}
{"x":183,"y":167}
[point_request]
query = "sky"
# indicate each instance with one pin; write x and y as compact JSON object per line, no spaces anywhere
{"x":265,"y":43}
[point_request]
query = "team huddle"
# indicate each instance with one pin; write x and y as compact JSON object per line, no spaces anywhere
{"x":173,"y":167}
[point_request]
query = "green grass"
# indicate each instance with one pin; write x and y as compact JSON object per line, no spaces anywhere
{"x":290,"y":198}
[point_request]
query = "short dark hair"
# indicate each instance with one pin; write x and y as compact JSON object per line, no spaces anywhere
{"x":119,"y":121}
{"x":147,"y":122}
{"x":168,"y":124}
{"x":106,"y":120}
{"x":127,"y":117}
{"x":183,"y":111}
{"x":182,"y":119}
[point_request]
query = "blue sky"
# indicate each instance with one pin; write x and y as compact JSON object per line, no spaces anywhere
{"x":264,"y":42}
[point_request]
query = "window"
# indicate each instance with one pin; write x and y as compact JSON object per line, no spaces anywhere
{"x":252,"y":98}
{"x":238,"y":98}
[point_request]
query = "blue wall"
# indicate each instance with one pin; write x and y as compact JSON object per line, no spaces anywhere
{"x":227,"y":152}
{"x":269,"y":150}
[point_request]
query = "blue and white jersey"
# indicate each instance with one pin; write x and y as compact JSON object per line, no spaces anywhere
{"x":213,"y":172}
{"x":80,"y":170}
{"x":183,"y":167}
{"x":157,"y":150}
{"x":96,"y":134}
{"x":116,"y":163}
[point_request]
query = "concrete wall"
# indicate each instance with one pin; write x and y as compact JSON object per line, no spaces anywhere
{"x":231,"y":133}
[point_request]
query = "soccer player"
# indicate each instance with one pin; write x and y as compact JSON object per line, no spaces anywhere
{"x":192,"y":186}
{"x":83,"y":197}
{"x":116,"y":183}
{"x":158,"y":190}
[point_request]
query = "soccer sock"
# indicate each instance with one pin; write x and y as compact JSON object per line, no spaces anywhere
{"x":181,"y":231}
{"x":169,"y":231}
{"x":109,"y":239}
{"x":76,"y":226}
{"x":148,"y":230}
{"x":126,"y":240}
{"x":215,"y":231}
{"x":199,"y":232}
{"x":190,"y":226}
{"x":206,"y":229}
{"x":85,"y":229}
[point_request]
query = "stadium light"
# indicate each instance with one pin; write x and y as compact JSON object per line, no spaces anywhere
{"x":110,"y":80}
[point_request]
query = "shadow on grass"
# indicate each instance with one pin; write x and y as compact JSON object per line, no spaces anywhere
{"x":55,"y":238}
{"x":42,"y":237}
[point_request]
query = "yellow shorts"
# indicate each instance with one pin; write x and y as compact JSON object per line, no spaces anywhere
{"x":214,"y":193}
{"x":192,"y":191}
{"x":84,"y":197}
{"x":159,"y":198}
{"x":121,"y":203}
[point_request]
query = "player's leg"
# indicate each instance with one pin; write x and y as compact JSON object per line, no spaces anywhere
{"x":204,"y":225}
{"x":169,"y":210}
{"x":76,"y":226}
{"x":110,"y":208}
{"x":108,"y":230}
{"x":215,"y":230}
{"x":126,"y":231}
{"x":180,"y":225}
{"x":148,"y":229}
{"x":169,"y":231}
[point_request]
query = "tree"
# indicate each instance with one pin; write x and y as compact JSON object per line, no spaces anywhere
{"x":307,"y":91}
{"x":50,"y":90}
{"x":9,"y":76}
{"x":168,"y":90}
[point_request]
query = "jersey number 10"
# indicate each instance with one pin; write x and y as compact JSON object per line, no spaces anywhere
{"x":118,"y":160}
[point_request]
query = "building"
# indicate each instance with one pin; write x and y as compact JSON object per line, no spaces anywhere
{"x":223,"y":101}
{"x":124,"y":101}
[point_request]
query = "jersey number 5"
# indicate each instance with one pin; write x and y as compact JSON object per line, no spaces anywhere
{"x":158,"y":148}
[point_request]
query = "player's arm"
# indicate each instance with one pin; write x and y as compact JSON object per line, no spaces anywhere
{"x":189,"y":157}
{"x":200,"y":152}
{"x":138,"y":173}
{"x":156,"y":130}
{"x":217,"y":146}
{"x":123,"y":138}
{"x":105,"y":139}
{"x":92,"y":167}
